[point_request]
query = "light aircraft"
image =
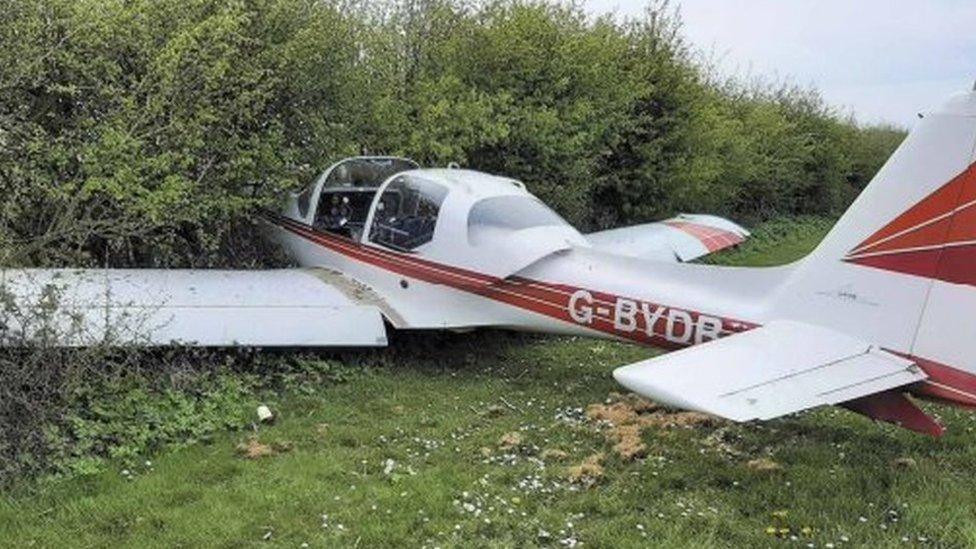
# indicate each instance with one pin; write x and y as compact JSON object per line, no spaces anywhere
{"x":878,"y":311}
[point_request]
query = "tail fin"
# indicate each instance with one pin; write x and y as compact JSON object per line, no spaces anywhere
{"x":899,"y":268}
{"x":903,"y":217}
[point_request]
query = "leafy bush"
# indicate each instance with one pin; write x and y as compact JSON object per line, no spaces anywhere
{"x":67,"y":411}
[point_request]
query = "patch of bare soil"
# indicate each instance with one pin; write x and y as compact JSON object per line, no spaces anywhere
{"x":509,"y":441}
{"x":628,"y":444}
{"x":617,"y":413}
{"x":764,"y":465}
{"x":587,"y":473}
{"x":681,"y":419}
{"x":254,"y":449}
{"x":626,"y":416}
{"x":553,"y":454}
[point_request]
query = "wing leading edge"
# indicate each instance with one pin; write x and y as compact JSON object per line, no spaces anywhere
{"x":780,"y":368}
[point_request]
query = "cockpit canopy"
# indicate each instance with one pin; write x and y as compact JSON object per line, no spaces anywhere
{"x":366,"y":172}
{"x":462,"y":218}
{"x":340,"y":199}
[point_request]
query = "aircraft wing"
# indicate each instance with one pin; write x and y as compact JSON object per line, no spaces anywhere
{"x":780,"y":368}
{"x":682,"y":238}
{"x":285,"y":307}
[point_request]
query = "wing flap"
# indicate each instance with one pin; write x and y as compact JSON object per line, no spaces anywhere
{"x":780,"y":368}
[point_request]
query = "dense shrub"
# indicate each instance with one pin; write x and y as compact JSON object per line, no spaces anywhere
{"x":68,"y":411}
{"x":152,"y":132}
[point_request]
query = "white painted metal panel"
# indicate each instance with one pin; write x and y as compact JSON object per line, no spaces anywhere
{"x":652,"y":241}
{"x":781,"y":368}
{"x":948,"y":333}
{"x":191,"y":307}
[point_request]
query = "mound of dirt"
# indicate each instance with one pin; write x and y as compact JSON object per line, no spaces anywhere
{"x":628,"y":441}
{"x":618,"y":413}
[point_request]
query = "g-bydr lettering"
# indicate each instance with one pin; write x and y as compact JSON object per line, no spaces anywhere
{"x":679,"y":325}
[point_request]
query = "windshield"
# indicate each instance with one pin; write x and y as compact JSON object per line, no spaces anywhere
{"x":509,"y":213}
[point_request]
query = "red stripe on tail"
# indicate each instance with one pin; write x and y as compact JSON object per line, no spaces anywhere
{"x":935,"y":238}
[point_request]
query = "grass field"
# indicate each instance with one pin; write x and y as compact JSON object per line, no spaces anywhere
{"x":470,"y":440}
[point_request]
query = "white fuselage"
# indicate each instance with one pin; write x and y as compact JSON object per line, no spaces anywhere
{"x":576,"y":291}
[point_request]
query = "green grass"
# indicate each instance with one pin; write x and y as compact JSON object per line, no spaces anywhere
{"x":434,"y":405}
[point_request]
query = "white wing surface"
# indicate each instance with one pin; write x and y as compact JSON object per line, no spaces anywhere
{"x":780,"y":368}
{"x":286,"y":307}
{"x":682,"y":238}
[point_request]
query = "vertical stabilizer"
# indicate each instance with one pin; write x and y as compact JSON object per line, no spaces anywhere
{"x":899,"y":268}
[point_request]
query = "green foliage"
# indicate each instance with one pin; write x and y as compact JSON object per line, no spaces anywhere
{"x":870,"y":148}
{"x":776,"y":242}
{"x":154,"y":132}
{"x":70,"y":411}
{"x":125,"y":420}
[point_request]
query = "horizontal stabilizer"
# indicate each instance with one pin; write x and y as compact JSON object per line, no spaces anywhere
{"x":780,"y":368}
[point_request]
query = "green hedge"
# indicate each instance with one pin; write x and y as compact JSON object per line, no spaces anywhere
{"x":150,"y":132}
